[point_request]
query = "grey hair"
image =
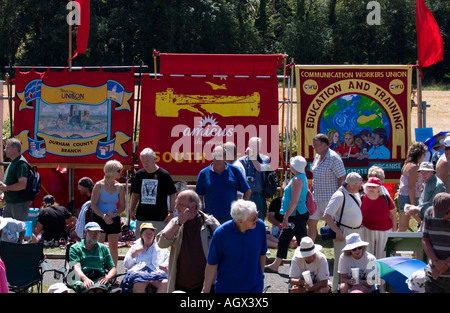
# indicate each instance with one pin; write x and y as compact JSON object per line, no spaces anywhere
{"x":149,"y":152}
{"x":192,"y":198}
{"x":376,"y":171}
{"x":242,"y":209}
{"x":14,"y":142}
{"x":380,"y":189}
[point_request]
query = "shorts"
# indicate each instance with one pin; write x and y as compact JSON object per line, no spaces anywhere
{"x":402,"y":200}
{"x":18,"y":211}
{"x":114,"y":228}
{"x":318,"y":215}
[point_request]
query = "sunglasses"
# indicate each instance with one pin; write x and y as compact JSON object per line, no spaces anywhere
{"x":357,"y":248}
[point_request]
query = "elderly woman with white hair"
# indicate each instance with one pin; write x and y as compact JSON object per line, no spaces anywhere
{"x":107,"y":202}
{"x":237,"y":253}
{"x":379,"y":216}
{"x":293,"y":207}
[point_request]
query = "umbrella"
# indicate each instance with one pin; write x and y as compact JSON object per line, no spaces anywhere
{"x":396,"y":270}
{"x":432,"y":140}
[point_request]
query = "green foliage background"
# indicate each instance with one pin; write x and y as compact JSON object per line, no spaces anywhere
{"x":309,"y":31}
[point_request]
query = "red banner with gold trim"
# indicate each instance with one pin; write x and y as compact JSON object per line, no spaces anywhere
{"x":76,"y":119}
{"x":201,"y":101}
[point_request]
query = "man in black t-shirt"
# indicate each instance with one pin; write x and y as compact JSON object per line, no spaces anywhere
{"x":52,"y":221}
{"x":149,"y":191}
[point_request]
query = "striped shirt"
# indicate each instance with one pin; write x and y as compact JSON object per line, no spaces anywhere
{"x":326,"y":174}
{"x":437,"y":230}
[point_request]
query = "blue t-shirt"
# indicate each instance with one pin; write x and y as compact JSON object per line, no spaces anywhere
{"x":238,"y":258}
{"x":220,"y":190}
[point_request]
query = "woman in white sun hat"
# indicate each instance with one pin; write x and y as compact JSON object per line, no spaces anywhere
{"x":354,"y":256}
{"x":294,"y":210}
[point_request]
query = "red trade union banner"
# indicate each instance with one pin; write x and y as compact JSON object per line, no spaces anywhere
{"x":189,"y":111}
{"x":364,"y":110}
{"x":76,"y":119}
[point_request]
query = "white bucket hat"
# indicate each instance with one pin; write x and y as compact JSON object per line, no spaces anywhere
{"x":417,"y":281}
{"x":426,"y":166}
{"x":298,"y":163}
{"x":353,"y":241}
{"x":307,"y":248}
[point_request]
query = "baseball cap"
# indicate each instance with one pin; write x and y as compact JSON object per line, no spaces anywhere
{"x":49,"y":199}
{"x":92,"y":226}
{"x":374,"y":182}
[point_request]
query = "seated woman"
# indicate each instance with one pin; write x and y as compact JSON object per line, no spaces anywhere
{"x":355,"y":256}
{"x":146,"y":263}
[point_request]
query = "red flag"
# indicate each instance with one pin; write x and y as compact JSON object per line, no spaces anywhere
{"x":83,"y":28}
{"x":430,"y":46}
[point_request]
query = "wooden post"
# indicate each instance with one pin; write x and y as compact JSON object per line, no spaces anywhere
{"x":419,"y":97}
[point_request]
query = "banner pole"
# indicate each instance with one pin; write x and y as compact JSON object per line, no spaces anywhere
{"x":419,"y":97}
{"x":70,"y":41}
{"x":282,"y":115}
{"x":291,"y":108}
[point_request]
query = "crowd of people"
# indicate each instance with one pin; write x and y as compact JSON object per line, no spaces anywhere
{"x":213,"y":238}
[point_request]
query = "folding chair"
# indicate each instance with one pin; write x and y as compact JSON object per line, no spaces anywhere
{"x":25,"y":265}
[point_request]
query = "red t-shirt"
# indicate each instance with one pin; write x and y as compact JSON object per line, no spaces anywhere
{"x":375,"y":213}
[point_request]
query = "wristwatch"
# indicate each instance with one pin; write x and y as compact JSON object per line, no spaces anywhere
{"x":177,"y":222}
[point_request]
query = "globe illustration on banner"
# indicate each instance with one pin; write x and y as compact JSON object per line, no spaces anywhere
{"x":353,"y":113}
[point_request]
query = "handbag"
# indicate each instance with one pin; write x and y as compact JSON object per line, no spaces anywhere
{"x":326,"y":233}
{"x":311,"y":204}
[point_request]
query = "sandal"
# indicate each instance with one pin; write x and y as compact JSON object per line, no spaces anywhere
{"x":267,"y":269}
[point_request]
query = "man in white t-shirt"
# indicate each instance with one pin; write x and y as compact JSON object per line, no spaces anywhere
{"x":308,"y":258}
{"x":351,"y":218}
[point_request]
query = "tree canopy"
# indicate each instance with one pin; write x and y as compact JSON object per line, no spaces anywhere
{"x":309,"y":31}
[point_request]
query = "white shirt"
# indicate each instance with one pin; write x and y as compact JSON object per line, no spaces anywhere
{"x":152,"y":258}
{"x":318,"y":268}
{"x":352,"y":216}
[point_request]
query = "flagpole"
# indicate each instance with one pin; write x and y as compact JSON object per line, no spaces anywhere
{"x":70,"y":40}
{"x":419,"y":97}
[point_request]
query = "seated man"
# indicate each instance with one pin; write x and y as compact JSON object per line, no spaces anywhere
{"x":92,"y":263}
{"x":308,"y":259}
